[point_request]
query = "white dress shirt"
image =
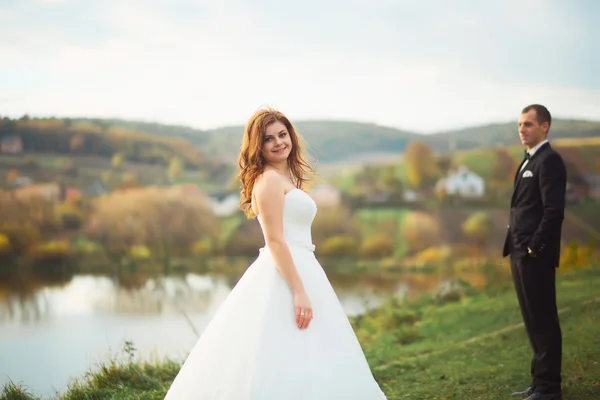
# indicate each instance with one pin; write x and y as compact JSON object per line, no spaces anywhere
{"x":532,"y":152}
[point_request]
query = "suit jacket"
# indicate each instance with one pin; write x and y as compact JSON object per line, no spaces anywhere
{"x":537,"y":207}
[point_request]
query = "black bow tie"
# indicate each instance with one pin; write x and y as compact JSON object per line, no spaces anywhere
{"x":526,"y":156}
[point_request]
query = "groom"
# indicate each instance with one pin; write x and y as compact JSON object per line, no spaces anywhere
{"x":533,"y":242}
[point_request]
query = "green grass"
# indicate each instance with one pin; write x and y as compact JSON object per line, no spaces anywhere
{"x":479,"y":161}
{"x":445,"y":363}
{"x":473,"y":348}
{"x":371,"y":216}
{"x":383,"y":220}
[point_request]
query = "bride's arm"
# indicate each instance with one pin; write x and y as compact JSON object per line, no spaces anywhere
{"x":269,"y":195}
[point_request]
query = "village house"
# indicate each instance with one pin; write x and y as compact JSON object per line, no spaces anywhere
{"x":225,"y":203}
{"x":463,"y":183}
{"x":11,"y":145}
{"x":48,"y":191}
{"x":593,"y":185}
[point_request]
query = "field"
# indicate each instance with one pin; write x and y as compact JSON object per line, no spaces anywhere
{"x":90,"y":169}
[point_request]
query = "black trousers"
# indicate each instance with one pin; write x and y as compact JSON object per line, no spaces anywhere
{"x":534,"y":280}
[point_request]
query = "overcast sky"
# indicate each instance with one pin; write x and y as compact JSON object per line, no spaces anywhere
{"x":422,"y":65}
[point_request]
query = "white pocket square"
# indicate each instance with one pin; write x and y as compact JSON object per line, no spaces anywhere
{"x":527,"y":174}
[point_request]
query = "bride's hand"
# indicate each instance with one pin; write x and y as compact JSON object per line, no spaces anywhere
{"x":304,"y":312}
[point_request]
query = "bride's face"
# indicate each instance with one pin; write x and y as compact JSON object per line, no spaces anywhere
{"x":277,"y":143}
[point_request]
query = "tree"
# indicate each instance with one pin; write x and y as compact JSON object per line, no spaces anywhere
{"x":339,"y":246}
{"x":331,"y":222}
{"x":175,"y":169}
{"x":168,"y":221}
{"x":503,"y":166}
{"x":421,"y":166}
{"x":117,"y":160}
{"x":444,"y":163}
{"x":390,"y":181}
{"x":24,"y":218}
{"x":76,"y":142}
{"x":377,"y":246}
{"x":366,"y":179}
{"x":478,"y":228}
{"x":420,"y":230}
{"x":12,"y":175}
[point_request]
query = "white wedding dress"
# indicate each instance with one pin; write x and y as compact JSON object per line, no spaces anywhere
{"x":253,"y":350}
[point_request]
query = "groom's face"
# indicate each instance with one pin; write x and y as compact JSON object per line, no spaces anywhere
{"x":531,"y":131}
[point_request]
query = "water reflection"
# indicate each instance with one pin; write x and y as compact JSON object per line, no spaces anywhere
{"x":37,"y":301}
{"x":52,"y":331}
{"x":89,"y":294}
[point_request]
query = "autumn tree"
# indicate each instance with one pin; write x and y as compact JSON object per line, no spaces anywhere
{"x":128,"y":182}
{"x":366,"y":179}
{"x":390,"y":182}
{"x":117,"y":160}
{"x":421,"y":166}
{"x":503,"y":166}
{"x":478,"y":228}
{"x":175,"y":169}
{"x":334,"y":221}
{"x":12,"y":175}
{"x":420,"y":230}
{"x":444,"y":162}
{"x":245,"y":239}
{"x":168,"y":221}
{"x":25,"y":218}
{"x":76,"y":142}
{"x":378,"y":246}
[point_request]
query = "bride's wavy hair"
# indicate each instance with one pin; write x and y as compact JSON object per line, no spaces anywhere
{"x":252,"y":161}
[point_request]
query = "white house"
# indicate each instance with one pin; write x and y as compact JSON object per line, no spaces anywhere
{"x":463,"y":183}
{"x":225,"y":204}
{"x":410,"y":195}
{"x":11,"y":144}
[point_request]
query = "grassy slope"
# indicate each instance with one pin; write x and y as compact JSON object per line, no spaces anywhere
{"x":505,"y":134}
{"x":443,"y":365}
{"x":92,"y":168}
{"x":439,"y":364}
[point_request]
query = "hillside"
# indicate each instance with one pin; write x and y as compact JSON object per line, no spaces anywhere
{"x":336,"y":143}
{"x":103,"y":138}
{"x":328,"y":141}
{"x":506,"y":134}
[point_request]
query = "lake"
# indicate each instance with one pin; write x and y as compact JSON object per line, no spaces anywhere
{"x":50,"y":332}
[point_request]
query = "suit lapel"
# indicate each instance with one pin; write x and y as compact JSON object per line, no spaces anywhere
{"x":517,"y":180}
{"x":519,"y":174}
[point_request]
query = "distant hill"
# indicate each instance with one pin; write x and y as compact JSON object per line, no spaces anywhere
{"x":352,"y":143}
{"x":506,"y":134}
{"x":330,"y":142}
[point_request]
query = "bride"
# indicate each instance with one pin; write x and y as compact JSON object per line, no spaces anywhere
{"x":282,"y":333}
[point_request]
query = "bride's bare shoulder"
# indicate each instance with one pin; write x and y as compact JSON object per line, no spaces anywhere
{"x":268,"y":182}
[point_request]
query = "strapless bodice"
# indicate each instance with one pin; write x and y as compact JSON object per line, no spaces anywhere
{"x":299,"y":211}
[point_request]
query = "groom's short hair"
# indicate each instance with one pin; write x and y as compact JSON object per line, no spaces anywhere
{"x":542,"y":113}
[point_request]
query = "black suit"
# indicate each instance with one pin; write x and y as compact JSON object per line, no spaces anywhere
{"x":536,"y":215}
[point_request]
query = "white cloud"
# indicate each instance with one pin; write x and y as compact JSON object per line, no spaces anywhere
{"x":209,"y":64}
